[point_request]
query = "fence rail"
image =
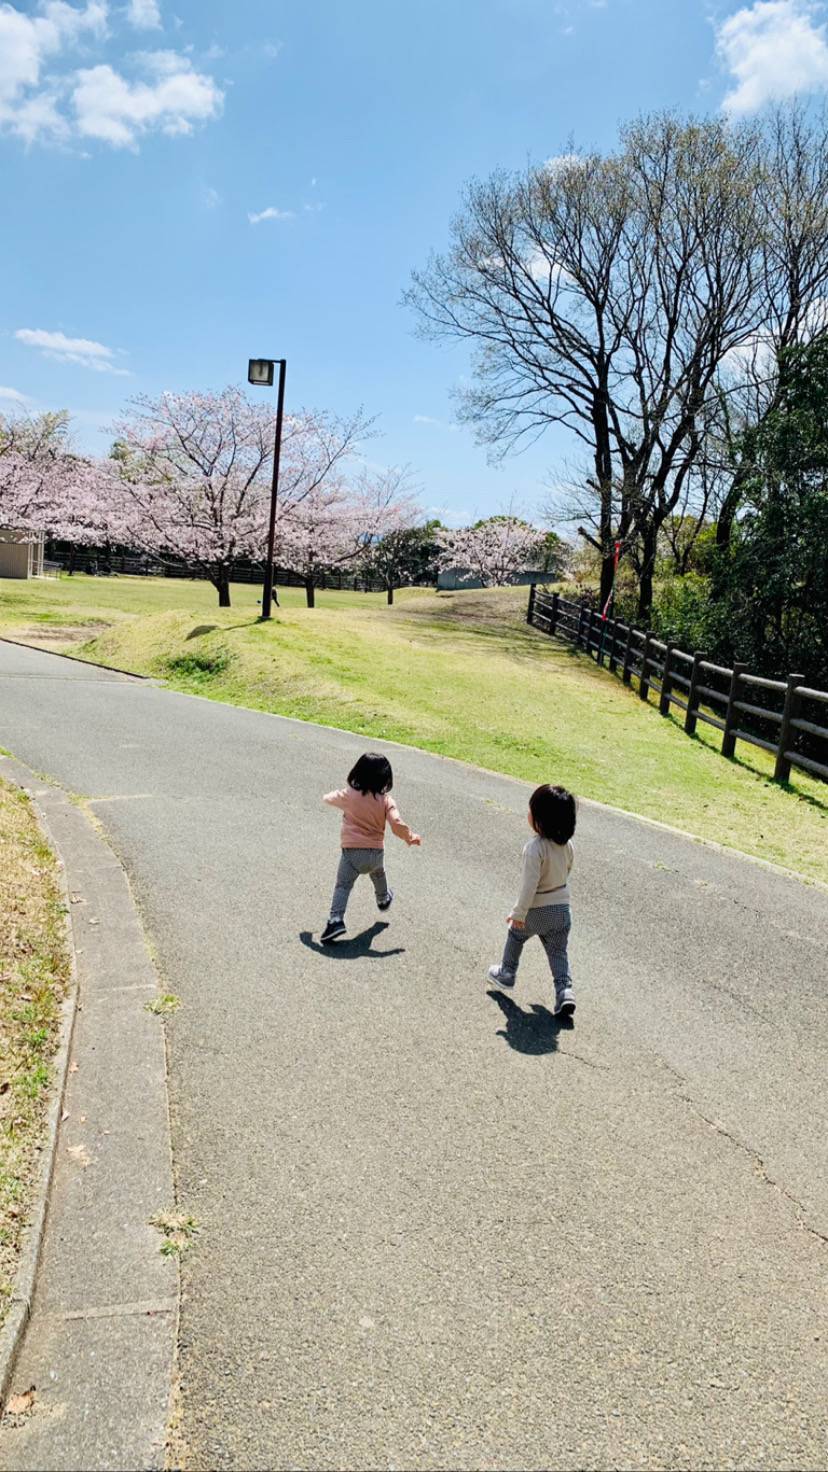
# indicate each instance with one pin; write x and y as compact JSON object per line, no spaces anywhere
{"x":240,"y":572}
{"x":780,"y":716}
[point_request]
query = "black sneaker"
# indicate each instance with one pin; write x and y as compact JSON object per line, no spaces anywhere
{"x":333,"y":930}
{"x":501,"y":977}
{"x":386,"y":903}
{"x":564,"y":1000}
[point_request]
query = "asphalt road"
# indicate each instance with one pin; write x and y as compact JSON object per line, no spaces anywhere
{"x":439,"y":1230}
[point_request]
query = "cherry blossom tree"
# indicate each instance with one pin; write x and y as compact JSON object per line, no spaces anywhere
{"x":32,"y":451}
{"x":46,"y":487}
{"x":196,"y":469}
{"x":495,"y":550}
{"x":389,"y":510}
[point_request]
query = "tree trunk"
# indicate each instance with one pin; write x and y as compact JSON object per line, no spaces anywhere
{"x":310,"y":592}
{"x":649,"y":542}
{"x":221,"y":582}
{"x":728,"y":509}
{"x":71,"y":565}
{"x":390,"y":593}
{"x":603,"y":480}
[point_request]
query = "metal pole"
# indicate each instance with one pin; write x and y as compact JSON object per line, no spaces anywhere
{"x":267,"y":590}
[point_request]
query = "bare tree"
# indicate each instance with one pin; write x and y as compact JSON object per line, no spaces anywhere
{"x":614,"y":295}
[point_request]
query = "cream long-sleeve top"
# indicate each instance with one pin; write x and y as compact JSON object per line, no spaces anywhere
{"x":545,"y":878}
{"x":364,"y":817}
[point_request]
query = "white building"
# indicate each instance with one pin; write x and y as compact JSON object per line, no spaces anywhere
{"x":21,"y":553}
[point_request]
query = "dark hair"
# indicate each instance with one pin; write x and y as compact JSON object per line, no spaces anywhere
{"x":372,"y":773}
{"x":553,"y":813}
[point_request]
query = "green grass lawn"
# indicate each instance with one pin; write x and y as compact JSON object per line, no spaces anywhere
{"x":454,"y":673}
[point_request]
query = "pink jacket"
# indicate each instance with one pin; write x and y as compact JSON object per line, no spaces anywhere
{"x":364,"y":818}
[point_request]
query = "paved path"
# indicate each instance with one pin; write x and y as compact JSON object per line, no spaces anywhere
{"x":439,"y":1231}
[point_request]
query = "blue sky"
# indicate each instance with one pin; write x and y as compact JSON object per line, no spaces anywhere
{"x":139,"y":138}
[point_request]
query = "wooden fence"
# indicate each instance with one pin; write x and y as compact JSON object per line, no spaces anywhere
{"x":130,"y":564}
{"x":785,"y":717}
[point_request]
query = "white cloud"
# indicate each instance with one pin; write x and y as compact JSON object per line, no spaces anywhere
{"x":271,"y":213}
{"x":13,"y":396}
{"x":547,"y":272}
{"x":211,"y":198}
{"x":109,"y":107}
{"x":27,"y":42}
{"x":39,"y":102}
{"x":437,"y":423}
{"x":773,"y":49}
{"x":144,"y":15}
{"x":560,"y":162}
{"x":79,"y":350}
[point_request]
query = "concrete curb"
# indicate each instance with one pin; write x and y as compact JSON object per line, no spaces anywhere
{"x":95,"y":1290}
{"x":20,"y":1305}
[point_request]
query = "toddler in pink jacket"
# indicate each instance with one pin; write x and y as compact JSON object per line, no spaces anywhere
{"x":367,"y":805}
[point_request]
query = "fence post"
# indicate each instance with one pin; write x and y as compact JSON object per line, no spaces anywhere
{"x":728,"y":738}
{"x":554,"y":620}
{"x":666,"y":683}
{"x":782,"y":770}
{"x":643,"y":681}
{"x":613,"y":654}
{"x":530,"y":612}
{"x":602,"y":640}
{"x":590,"y":631}
{"x":626,"y":672}
{"x":690,"y":719}
{"x":580,"y":628}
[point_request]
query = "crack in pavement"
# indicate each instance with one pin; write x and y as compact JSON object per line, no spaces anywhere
{"x":753,"y":1155}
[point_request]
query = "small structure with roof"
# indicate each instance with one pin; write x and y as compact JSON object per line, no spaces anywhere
{"x":21,"y":553}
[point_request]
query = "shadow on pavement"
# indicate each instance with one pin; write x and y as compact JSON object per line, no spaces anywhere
{"x":356,"y":945}
{"x":535,"y":1031}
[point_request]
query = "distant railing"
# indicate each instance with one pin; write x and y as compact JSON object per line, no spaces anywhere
{"x":776,"y":715}
{"x":241,"y":572}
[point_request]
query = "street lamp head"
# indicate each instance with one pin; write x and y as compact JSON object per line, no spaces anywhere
{"x":260,"y":371}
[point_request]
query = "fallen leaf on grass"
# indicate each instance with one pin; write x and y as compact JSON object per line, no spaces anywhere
{"x":18,"y":1405}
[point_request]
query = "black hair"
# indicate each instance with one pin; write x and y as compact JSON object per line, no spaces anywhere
{"x":372,"y":773}
{"x":553,"y":813}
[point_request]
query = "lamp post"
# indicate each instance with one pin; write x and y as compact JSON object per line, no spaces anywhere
{"x":260,"y":372}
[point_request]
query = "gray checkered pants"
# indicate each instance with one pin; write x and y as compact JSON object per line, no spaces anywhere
{"x":353,"y":862}
{"x":552,"y":924}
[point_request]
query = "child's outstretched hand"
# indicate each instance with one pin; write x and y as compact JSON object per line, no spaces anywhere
{"x":415,"y":841}
{"x":516,"y":924}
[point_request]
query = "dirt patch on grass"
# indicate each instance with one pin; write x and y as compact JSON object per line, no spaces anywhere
{"x":34,"y":976}
{"x":60,"y":634}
